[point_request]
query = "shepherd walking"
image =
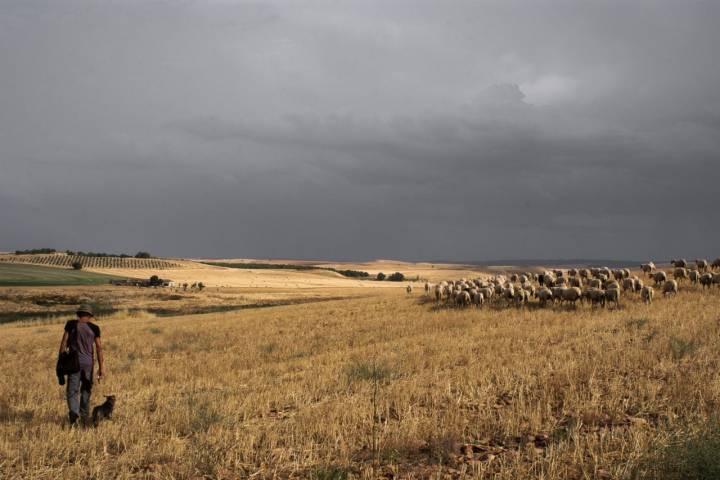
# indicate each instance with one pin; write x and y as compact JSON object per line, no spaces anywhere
{"x":76,"y":360}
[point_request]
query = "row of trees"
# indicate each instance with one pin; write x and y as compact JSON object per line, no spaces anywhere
{"x":35,"y":251}
{"x":393,"y":277}
{"x":47,"y":251}
{"x":104,"y":255}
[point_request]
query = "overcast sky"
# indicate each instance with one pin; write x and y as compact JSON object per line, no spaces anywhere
{"x":359,"y":130}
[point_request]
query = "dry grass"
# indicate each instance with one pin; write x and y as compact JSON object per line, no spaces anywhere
{"x":287,"y":392}
{"x":40,"y":302}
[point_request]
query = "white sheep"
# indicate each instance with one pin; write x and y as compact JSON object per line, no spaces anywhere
{"x":647,"y":294}
{"x":571,"y":294}
{"x":628,"y":284}
{"x":544,"y":294}
{"x":462,"y":299}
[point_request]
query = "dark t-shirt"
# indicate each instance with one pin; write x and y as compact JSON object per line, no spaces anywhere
{"x":81,"y":339}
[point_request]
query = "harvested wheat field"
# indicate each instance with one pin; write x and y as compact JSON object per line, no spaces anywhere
{"x":385,"y":386}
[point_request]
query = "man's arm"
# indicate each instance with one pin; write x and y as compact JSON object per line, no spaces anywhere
{"x":63,"y":342}
{"x":101,"y":358}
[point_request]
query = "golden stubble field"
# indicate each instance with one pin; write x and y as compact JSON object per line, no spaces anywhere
{"x":381,"y":386}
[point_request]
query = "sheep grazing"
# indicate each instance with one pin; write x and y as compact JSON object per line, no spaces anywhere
{"x":659,"y":277}
{"x":409,"y":289}
{"x":487,"y":293}
{"x":521,"y":297}
{"x":702,"y":264}
{"x":680,"y":273}
{"x":598,"y":285}
{"x":716,"y":263}
{"x":557,"y":293}
{"x":509,"y":293}
{"x":647,"y":268}
{"x":628,"y":284}
{"x":671,"y":286}
{"x":478,"y":299}
{"x":439,"y":289}
{"x":613,"y":295}
{"x":572,"y":295}
{"x":647,"y":294}
{"x":595,"y":295}
{"x":529,"y":287}
{"x":544,"y":294}
{"x":462,"y":299}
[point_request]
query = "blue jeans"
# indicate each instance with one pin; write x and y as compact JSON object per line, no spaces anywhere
{"x":78,"y":395}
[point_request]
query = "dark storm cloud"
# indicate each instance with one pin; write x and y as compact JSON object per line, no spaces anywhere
{"x":358,"y":129}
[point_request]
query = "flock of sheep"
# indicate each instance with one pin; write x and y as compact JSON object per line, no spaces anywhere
{"x":598,"y":286}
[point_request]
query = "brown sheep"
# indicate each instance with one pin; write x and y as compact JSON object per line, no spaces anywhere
{"x":659,"y":277}
{"x":671,"y":286}
{"x":680,"y":273}
{"x":679,"y":263}
{"x":595,"y":295}
{"x":647,"y":268}
{"x":613,"y":295}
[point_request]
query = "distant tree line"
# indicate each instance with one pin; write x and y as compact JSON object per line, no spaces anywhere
{"x":288,"y":266}
{"x":393,"y":277}
{"x":351,"y":273}
{"x":103,"y":254}
{"x":35,"y":251}
{"x":46,"y":251}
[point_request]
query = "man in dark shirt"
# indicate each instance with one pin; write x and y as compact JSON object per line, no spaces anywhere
{"x":80,"y":336}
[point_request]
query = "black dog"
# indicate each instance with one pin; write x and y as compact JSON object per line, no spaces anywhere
{"x":104,"y":410}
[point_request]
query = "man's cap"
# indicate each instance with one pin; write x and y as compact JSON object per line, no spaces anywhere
{"x":85,"y":309}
